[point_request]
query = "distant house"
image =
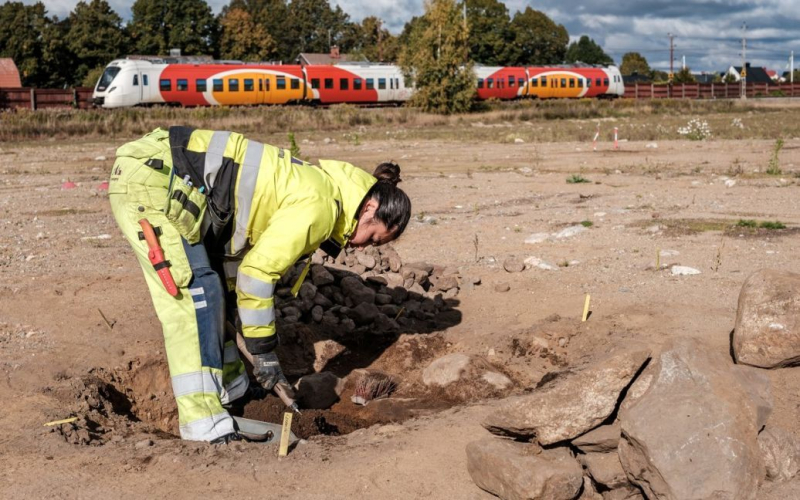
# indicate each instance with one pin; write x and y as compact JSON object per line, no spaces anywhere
{"x":9,"y":74}
{"x":334,"y":57}
{"x":772,"y":74}
{"x":754,"y":74}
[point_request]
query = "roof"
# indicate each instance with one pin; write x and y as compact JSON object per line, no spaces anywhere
{"x":755,"y":74}
{"x":307,"y":58}
{"x":9,"y":75}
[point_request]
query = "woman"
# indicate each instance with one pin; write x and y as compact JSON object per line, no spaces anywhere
{"x":224,"y":206}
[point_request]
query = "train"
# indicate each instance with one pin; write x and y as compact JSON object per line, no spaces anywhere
{"x":152,"y":81}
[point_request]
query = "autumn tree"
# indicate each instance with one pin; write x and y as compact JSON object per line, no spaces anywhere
{"x":537,"y":39}
{"x":313,"y":26}
{"x":95,"y":37}
{"x":241,"y":38}
{"x":435,"y":57}
{"x":270,"y":15}
{"x":634,"y":62}
{"x":490,"y":35}
{"x":372,"y":41}
{"x":585,"y":50}
{"x":160,"y":25}
{"x":684,"y":76}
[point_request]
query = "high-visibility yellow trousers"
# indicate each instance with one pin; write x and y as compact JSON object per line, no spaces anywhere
{"x":206,"y":371}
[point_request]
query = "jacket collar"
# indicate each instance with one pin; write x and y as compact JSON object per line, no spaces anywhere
{"x":352,"y":184}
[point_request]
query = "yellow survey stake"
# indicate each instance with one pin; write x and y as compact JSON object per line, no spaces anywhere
{"x":585,"y":309}
{"x":285,"y":433}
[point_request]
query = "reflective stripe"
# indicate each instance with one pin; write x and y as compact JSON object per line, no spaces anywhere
{"x":244,"y":191}
{"x":254,"y":286}
{"x":231,"y":267}
{"x":195,"y":291}
{"x":214,"y":154}
{"x":200,"y":305}
{"x":235,"y":389}
{"x":257,"y":317}
{"x":194,"y":382}
{"x":209,"y":428}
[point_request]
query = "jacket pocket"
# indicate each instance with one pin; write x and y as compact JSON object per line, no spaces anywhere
{"x":185,"y":209}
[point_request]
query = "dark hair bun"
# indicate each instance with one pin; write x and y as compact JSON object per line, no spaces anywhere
{"x":388,"y":172}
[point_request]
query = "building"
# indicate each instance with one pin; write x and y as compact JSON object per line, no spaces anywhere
{"x":9,"y":74}
{"x":334,"y":57}
{"x":754,"y":74}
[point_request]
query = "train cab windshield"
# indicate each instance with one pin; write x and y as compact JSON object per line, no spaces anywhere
{"x":107,"y":78}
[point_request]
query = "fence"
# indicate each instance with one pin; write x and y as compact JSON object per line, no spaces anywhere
{"x":30,"y":98}
{"x":709,"y":90}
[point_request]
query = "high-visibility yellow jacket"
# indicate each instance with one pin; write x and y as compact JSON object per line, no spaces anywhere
{"x":270,"y":207}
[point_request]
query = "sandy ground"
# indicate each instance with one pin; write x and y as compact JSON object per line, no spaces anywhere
{"x":474,"y":205}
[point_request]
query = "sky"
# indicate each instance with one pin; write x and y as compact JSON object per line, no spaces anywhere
{"x":707,"y":32}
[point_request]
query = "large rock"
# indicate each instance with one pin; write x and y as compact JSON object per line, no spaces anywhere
{"x":568,"y":406}
{"x":781,"y":453}
{"x":357,"y":291}
{"x":605,"y":469}
{"x":319,"y":391}
{"x":519,"y":471}
{"x":603,"y":439}
{"x":767,"y":330}
{"x":692,"y":433}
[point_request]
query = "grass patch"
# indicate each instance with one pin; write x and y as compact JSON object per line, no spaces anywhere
{"x":577,"y":179}
{"x":752,"y":224}
{"x":587,"y":223}
{"x":747,"y":223}
{"x":772,"y":225}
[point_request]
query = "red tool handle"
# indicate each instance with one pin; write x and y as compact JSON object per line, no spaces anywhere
{"x":156,"y":256}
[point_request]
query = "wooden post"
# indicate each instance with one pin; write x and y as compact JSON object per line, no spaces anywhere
{"x":33,"y":99}
{"x":75,"y":98}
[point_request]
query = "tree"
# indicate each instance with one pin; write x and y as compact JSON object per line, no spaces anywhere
{"x":313,"y":26}
{"x":271,"y":15}
{"x":684,"y":76}
{"x":95,"y":37}
{"x":537,"y":39}
{"x":490,"y":35}
{"x":20,"y":29}
{"x":730,"y":78}
{"x":160,"y":25}
{"x":585,"y":50}
{"x":241,"y":38}
{"x":436,"y":58}
{"x":634,"y":62}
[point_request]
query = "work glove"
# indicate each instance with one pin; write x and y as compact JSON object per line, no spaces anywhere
{"x":267,"y":370}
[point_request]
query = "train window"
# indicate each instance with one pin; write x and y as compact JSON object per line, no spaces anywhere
{"x":382,"y":83}
{"x":535,"y":82}
{"x":182,"y":84}
{"x":490,"y":83}
{"x":572,"y":83}
{"x":217,"y":85}
{"x":329,"y":83}
{"x":521,"y":82}
{"x":165,"y":85}
{"x":563,"y":83}
{"x":605,"y":82}
{"x":511,"y":81}
{"x":588,"y":83}
{"x":370,"y":83}
{"x":266,"y":84}
{"x":391,"y":83}
{"x":260,"y":85}
{"x":598,"y":82}
{"x":295,"y":83}
{"x":580,"y":83}
{"x":544,"y":81}
{"x":397,"y":83}
{"x":135,"y":80}
{"x":233,"y":85}
{"x":356,"y":83}
{"x":281,"y":83}
{"x":248,"y":85}
{"x":315,"y":83}
{"x":480,"y":83}
{"x":200,"y":83}
{"x":344,"y":83}
{"x":144,"y":79}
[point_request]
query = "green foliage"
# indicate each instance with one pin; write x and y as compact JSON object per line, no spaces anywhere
{"x":634,"y":62}
{"x":92,"y":76}
{"x":577,"y":179}
{"x":585,"y":50}
{"x":95,"y":37}
{"x":491,"y":40}
{"x":435,"y":56}
{"x":371,"y":41}
{"x":539,"y":39}
{"x":313,"y":26}
{"x":294,"y":149}
{"x":242,"y":39}
{"x":747,"y":223}
{"x":769,"y":225}
{"x":772,"y":225}
{"x":729,"y":78}
{"x":587,"y":223}
{"x":684,"y":76}
{"x":774,"y":167}
{"x":160,"y":25}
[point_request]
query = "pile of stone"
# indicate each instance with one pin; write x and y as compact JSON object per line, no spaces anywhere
{"x":688,"y":423}
{"x":365,"y":290}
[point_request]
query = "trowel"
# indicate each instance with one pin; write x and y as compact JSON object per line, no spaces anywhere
{"x":262,"y":432}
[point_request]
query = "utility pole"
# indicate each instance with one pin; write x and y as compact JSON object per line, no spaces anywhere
{"x":791,"y":67}
{"x":744,"y":60}
{"x":671,"y":56}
